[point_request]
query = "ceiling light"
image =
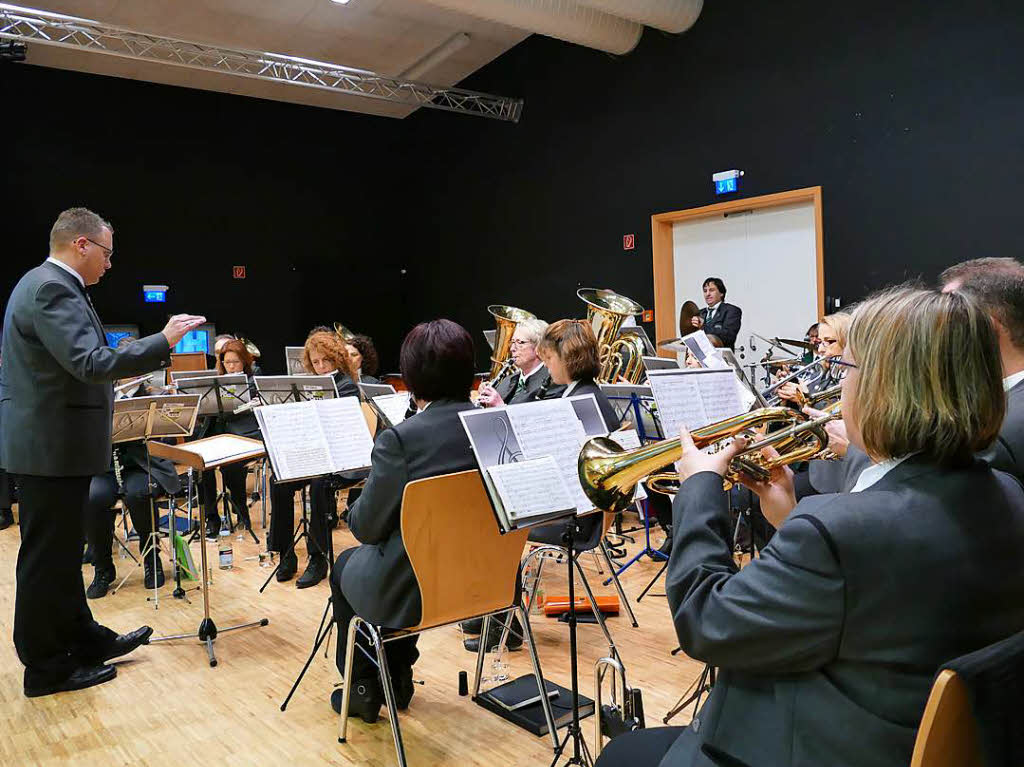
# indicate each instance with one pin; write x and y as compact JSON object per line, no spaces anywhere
{"x":340,"y":2}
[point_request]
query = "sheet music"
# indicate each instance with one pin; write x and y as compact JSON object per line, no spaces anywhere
{"x":394,"y":406}
{"x":550,"y":427}
{"x":293,"y":436}
{"x":694,"y":398}
{"x":223,"y":446}
{"x":534,"y":488}
{"x":348,"y":438}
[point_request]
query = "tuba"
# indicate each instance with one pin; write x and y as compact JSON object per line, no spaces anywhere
{"x":506,"y":318}
{"x":609,"y":475}
{"x":621,"y":356}
{"x":343,"y":333}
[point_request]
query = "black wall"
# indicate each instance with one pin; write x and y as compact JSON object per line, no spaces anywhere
{"x":909,"y":115}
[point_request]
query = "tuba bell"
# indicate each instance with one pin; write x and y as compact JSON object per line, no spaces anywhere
{"x":343,"y":333}
{"x":506,"y":319}
{"x":609,"y":475}
{"x":621,"y":356}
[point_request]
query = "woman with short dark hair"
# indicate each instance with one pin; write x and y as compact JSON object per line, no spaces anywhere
{"x":376,"y":580}
{"x":363,"y":355}
{"x":831,"y":639}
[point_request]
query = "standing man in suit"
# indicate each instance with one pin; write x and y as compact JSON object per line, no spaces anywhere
{"x":718,"y":318}
{"x":998,"y":285}
{"x":531,"y":373}
{"x":56,"y":407}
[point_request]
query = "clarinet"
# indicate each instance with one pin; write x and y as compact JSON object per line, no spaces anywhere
{"x":117,"y":472}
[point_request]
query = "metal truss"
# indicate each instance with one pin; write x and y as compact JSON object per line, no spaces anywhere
{"x":17,"y":23}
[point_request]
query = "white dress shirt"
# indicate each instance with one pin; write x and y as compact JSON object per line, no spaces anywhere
{"x":67,"y":269}
{"x":1012,"y":380}
{"x":569,"y":388}
{"x":876,"y":471}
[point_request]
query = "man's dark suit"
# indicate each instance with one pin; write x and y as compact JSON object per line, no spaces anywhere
{"x":376,"y":580}
{"x":1007,"y":452}
{"x":725,"y":324}
{"x":827,"y":645}
{"x":509,"y":388}
{"x":56,"y":404}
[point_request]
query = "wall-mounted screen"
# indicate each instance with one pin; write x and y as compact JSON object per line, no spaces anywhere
{"x":198,"y":340}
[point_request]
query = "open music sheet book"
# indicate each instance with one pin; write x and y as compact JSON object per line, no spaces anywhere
{"x":393,"y":406}
{"x":528,"y":455}
{"x":215,"y":449}
{"x":309,"y":439}
{"x":694,"y":397}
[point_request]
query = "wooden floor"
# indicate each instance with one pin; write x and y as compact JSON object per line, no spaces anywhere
{"x":168,"y":707}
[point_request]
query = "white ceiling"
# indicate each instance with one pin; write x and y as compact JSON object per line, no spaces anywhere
{"x":385,"y":36}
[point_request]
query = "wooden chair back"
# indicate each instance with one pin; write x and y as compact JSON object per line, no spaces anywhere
{"x":948,"y":736}
{"x":370,"y":416}
{"x":464,"y":566}
{"x":188,"y":361}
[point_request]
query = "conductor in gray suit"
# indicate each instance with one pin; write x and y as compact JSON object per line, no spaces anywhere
{"x":56,"y":402}
{"x":827,"y":644}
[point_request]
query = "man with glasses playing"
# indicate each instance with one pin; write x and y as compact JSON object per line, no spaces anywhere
{"x":56,"y":407}
{"x":531,"y":375}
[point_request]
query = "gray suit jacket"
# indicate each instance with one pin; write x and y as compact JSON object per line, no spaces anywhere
{"x":507,"y":388}
{"x":378,"y":580}
{"x":1007,"y":452}
{"x":56,"y":398}
{"x":829,"y":642}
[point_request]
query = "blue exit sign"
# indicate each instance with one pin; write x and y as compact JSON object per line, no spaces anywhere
{"x":154,"y":296}
{"x":727,"y":186}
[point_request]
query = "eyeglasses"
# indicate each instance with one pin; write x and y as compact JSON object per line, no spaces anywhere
{"x":843,"y":367}
{"x":104,"y":248}
{"x":520,"y":342}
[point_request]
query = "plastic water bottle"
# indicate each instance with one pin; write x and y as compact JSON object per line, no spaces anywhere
{"x":227,"y":556}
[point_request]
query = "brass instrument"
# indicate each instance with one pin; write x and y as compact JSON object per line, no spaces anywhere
{"x":250,"y":347}
{"x":342,"y":332}
{"x":506,"y":318}
{"x":687,"y":312}
{"x":621,"y":355}
{"x":609,"y":475}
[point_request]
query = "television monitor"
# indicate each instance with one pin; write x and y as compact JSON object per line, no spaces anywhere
{"x":199,"y":339}
{"x":115,"y":333}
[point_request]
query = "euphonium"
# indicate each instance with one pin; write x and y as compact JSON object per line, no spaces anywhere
{"x":609,"y":475}
{"x":506,"y":317}
{"x":606,"y":311}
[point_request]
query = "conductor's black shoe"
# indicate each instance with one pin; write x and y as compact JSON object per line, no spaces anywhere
{"x":6,"y":518}
{"x":364,"y":701}
{"x":289,"y":564}
{"x":85,"y":676}
{"x":514,"y":642}
{"x":316,"y":571}
{"x":124,"y":644}
{"x":473,"y":625}
{"x":158,"y":572}
{"x":101,"y":579}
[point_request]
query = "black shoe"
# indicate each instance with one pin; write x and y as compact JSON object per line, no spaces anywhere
{"x":124,"y":644}
{"x":404,"y":688}
{"x":364,"y":701}
{"x":666,"y":547}
{"x":101,"y":579}
{"x":514,"y":642}
{"x":473,"y":625}
{"x":87,"y":556}
{"x":147,"y":565}
{"x":6,"y":518}
{"x":212,"y":527}
{"x":289,"y":564}
{"x":316,"y":571}
{"x":85,"y":676}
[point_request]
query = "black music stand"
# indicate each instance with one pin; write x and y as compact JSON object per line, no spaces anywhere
{"x":220,"y":396}
{"x":200,"y":455}
{"x":145,"y":418}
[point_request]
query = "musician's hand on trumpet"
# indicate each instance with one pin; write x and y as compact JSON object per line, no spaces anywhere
{"x":694,"y":461}
{"x":792,"y":392}
{"x":838,"y":441}
{"x":488,"y":396}
{"x":777,"y":494}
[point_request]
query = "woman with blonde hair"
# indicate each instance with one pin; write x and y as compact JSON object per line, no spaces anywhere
{"x":832,"y":333}
{"x":831,"y":639}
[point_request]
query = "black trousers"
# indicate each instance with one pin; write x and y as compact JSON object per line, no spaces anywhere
{"x":6,"y":488}
{"x":54,"y":631}
{"x":640,"y":748}
{"x":99,"y":519}
{"x":401,"y":653}
{"x":234,"y":481}
{"x":282,"y":515}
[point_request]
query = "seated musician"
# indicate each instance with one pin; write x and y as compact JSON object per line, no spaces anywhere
{"x":828,"y":644}
{"x":530,"y":372}
{"x":323,"y":354}
{"x":375,"y":580}
{"x":832,"y":332}
{"x":233,"y":359}
{"x":363,"y":357}
{"x":569,"y":350}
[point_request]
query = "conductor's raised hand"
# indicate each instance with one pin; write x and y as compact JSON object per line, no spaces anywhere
{"x":178,"y":325}
{"x":693,"y":461}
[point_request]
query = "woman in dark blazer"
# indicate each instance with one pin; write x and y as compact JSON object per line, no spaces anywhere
{"x":828,"y":644}
{"x":376,"y":580}
{"x":569,"y":350}
{"x":363,"y":358}
{"x":324,"y":354}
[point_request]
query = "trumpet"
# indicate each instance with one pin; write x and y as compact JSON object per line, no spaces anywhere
{"x":609,"y":475}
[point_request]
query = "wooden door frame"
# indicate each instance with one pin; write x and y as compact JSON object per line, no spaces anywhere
{"x":666,"y":316}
